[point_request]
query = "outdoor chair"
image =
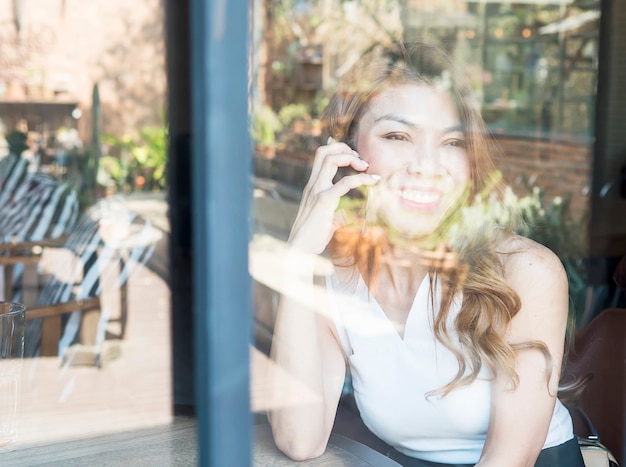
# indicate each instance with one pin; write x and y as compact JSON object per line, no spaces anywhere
{"x":103,"y":248}
{"x":35,"y":209}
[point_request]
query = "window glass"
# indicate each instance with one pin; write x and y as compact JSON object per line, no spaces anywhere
{"x":532,"y":67}
{"x":83,"y":217}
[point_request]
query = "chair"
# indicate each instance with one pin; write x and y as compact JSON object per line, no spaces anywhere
{"x":104,"y":247}
{"x":34,"y":207}
{"x":13,"y":170}
{"x":600,"y":353}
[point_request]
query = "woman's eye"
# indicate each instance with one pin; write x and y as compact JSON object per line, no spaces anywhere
{"x":396,"y":137}
{"x":456,"y":143}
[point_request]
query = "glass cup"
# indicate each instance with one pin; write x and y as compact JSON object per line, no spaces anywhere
{"x":12,"y":325}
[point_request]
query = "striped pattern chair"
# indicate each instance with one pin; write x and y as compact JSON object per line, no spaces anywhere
{"x":42,"y":209}
{"x":107,"y":245}
{"x":34,"y":209}
{"x":13,"y":171}
{"x":108,"y":240}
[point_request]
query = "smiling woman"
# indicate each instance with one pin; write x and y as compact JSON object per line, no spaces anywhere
{"x":453,"y":350}
{"x":411,"y":136}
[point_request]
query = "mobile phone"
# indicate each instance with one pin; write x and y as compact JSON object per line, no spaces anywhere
{"x":356,"y":193}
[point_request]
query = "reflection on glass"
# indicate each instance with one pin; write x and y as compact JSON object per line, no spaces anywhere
{"x":531,"y":68}
{"x":83,"y":225}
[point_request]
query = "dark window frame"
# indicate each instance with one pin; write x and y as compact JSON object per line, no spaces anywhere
{"x":209,"y":173}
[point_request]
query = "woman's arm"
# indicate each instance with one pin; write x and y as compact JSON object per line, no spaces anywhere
{"x":310,"y":362}
{"x":305,"y":346}
{"x":520,"y":417}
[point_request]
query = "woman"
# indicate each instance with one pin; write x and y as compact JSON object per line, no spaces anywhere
{"x":453,"y":337}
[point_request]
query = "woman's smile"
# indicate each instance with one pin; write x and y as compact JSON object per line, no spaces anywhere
{"x":421,"y":199}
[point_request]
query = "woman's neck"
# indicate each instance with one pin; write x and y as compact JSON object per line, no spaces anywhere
{"x":396,"y":287}
{"x":402,"y":272}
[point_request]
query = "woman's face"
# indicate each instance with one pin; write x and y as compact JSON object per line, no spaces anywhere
{"x":412,"y":136}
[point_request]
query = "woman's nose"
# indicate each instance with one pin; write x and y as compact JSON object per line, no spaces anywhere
{"x":424,"y":161}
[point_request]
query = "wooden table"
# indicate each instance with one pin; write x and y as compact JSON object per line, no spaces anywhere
{"x":176,"y":445}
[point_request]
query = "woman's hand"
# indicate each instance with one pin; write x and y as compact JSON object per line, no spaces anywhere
{"x":316,"y":221}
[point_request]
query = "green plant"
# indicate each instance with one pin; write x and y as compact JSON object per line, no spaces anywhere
{"x":151,"y":155}
{"x":114,"y":168}
{"x":111,"y":171}
{"x":551,"y":224}
{"x":293,"y":112}
{"x":265,"y":125}
{"x":140,"y":161}
{"x":93,"y":155}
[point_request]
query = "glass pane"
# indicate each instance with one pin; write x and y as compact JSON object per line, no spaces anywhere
{"x":531,"y":68}
{"x":83,"y":216}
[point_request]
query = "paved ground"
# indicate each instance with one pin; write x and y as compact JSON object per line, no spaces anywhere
{"x":130,"y":392}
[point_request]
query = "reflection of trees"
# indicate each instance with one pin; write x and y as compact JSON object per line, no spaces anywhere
{"x":533,"y":66}
{"x":343,"y":28}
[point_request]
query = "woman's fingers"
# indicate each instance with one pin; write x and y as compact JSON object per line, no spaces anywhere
{"x":343,"y":186}
{"x":331,"y":149}
{"x":323,"y":180}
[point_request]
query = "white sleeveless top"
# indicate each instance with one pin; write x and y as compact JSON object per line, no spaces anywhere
{"x":392,"y":377}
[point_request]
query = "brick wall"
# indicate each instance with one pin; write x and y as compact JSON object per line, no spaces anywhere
{"x":560,"y":168}
{"x":52,"y":50}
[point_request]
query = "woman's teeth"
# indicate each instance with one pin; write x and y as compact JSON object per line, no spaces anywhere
{"x":420,"y":197}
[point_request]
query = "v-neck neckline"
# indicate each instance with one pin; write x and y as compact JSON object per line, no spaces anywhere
{"x":409,"y":318}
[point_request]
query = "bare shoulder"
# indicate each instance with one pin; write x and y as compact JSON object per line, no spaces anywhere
{"x":539,"y":279}
{"x":525,"y":260}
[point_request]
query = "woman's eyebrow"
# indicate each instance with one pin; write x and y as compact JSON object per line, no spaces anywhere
{"x":396,"y":118}
{"x":458,"y":128}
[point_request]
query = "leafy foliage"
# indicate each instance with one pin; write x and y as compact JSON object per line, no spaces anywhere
{"x":551,"y":224}
{"x":136,"y":162}
{"x":292,"y":112}
{"x":264,"y":126}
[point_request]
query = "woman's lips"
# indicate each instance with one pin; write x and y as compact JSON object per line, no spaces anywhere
{"x":419,"y":198}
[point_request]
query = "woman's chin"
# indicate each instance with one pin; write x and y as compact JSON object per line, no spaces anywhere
{"x":403,"y":235}
{"x":413,"y":227}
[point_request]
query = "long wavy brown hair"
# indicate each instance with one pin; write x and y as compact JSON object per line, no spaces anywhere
{"x":476,"y":269}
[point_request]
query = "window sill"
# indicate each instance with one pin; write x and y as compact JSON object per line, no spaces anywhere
{"x":174,"y":444}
